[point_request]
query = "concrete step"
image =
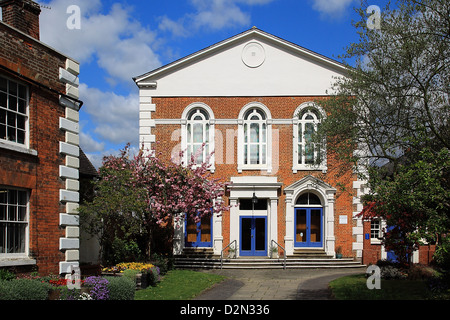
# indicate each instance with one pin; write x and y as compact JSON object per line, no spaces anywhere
{"x":264,"y":263}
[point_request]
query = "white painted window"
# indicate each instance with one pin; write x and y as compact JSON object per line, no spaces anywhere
{"x":13,"y":222}
{"x":254,"y":138}
{"x":307,"y":154}
{"x":197,"y":134}
{"x":13,"y":111}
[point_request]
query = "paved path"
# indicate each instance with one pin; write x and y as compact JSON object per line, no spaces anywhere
{"x":274,"y":284}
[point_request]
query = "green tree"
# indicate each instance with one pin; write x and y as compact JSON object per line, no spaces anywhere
{"x":393,"y":108}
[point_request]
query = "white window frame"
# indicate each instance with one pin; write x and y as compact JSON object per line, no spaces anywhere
{"x":14,"y":144}
{"x":381,"y":225}
{"x":207,"y":138}
{"x":301,"y":123}
{"x":267,"y":166}
{"x":26,"y":222}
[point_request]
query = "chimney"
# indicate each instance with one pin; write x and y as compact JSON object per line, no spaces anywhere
{"x":22,"y":15}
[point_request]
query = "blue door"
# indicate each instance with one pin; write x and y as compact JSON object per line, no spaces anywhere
{"x":308,"y":227}
{"x":253,"y":236}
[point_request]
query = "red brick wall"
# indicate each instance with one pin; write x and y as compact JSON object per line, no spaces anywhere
{"x":39,"y":174}
{"x":280,"y":108}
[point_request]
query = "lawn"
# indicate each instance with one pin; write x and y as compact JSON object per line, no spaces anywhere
{"x":354,"y":288}
{"x":179,"y":285}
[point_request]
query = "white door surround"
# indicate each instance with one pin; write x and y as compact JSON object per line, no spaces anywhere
{"x":326,"y":193}
{"x":264,"y":188}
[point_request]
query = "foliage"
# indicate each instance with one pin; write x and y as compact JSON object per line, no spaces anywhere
{"x":415,"y":204}
{"x":121,"y":288}
{"x":23,"y":289}
{"x":397,"y":91}
{"x":136,"y":195}
{"x":6,"y":275}
{"x":392,"y":111}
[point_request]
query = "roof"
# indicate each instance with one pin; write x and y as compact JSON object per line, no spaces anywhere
{"x":248,"y":33}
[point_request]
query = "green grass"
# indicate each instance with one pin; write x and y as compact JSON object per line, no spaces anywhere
{"x":179,"y":285}
{"x":354,"y":288}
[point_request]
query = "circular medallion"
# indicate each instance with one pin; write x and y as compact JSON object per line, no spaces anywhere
{"x":253,"y":55}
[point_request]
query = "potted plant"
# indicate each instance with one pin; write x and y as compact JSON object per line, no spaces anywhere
{"x":338,"y":252}
{"x":274,"y":252}
{"x":231,"y":253}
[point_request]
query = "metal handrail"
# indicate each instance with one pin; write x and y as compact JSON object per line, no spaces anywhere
{"x":284,"y":253}
{"x":221,"y":252}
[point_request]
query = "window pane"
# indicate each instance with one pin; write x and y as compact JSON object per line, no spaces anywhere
{"x":12,"y":88}
{"x":315,"y":225}
{"x":189,"y":132}
{"x":3,"y":84}
{"x":3,"y":100}
{"x":246,"y":153}
{"x":254,"y":154}
{"x":20,"y":136}
{"x":12,"y":103}
{"x":254,"y":132}
{"x":2,"y":237}
{"x":263,"y":133}
{"x":300,"y":228}
{"x":263,"y":154}
{"x":3,"y":211}
{"x":198,"y":133}
{"x":22,"y":92}
{"x":22,"y":106}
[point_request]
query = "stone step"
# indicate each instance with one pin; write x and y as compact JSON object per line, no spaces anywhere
{"x":192,"y":263}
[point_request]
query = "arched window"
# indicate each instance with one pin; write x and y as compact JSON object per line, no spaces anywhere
{"x":197,"y":138}
{"x":308,"y":155}
{"x":255,"y":137}
{"x":197,"y":134}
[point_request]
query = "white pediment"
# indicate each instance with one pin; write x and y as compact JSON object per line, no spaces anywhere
{"x":253,"y":63}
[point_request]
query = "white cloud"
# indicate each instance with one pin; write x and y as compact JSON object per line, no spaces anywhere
{"x":88,"y":144}
{"x":212,"y":15}
{"x":116,"y":117}
{"x":119,"y":44}
{"x":331,"y":8}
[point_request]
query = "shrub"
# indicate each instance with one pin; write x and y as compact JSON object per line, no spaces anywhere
{"x":23,"y":289}
{"x":6,"y":275}
{"x":130,"y":273}
{"x":121,"y":288}
{"x":153,"y":276}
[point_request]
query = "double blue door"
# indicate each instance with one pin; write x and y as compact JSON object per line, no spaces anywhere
{"x":253,"y":232}
{"x":308,"y":227}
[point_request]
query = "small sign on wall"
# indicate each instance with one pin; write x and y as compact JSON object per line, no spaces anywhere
{"x":342,"y":219}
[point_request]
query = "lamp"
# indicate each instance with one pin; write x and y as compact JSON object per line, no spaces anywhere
{"x":254,"y":198}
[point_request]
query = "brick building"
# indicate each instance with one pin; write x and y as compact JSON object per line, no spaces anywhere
{"x":39,"y":151}
{"x":252,"y":99}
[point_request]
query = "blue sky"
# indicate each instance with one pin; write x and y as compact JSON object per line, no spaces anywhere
{"x":118,"y":40}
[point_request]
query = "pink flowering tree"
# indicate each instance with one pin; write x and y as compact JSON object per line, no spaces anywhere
{"x":139,"y":195}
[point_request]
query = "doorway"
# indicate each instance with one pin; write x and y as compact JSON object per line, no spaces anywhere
{"x":308,"y":227}
{"x":253,"y":239}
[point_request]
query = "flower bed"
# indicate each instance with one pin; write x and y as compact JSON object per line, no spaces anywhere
{"x":145,"y":274}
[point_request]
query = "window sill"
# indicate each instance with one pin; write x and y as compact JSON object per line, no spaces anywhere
{"x":19,"y":261}
{"x":255,"y":167}
{"x":17,"y":147}
{"x":309,"y":168}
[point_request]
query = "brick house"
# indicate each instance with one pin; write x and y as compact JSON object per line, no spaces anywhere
{"x":252,"y":99}
{"x":39,"y":151}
